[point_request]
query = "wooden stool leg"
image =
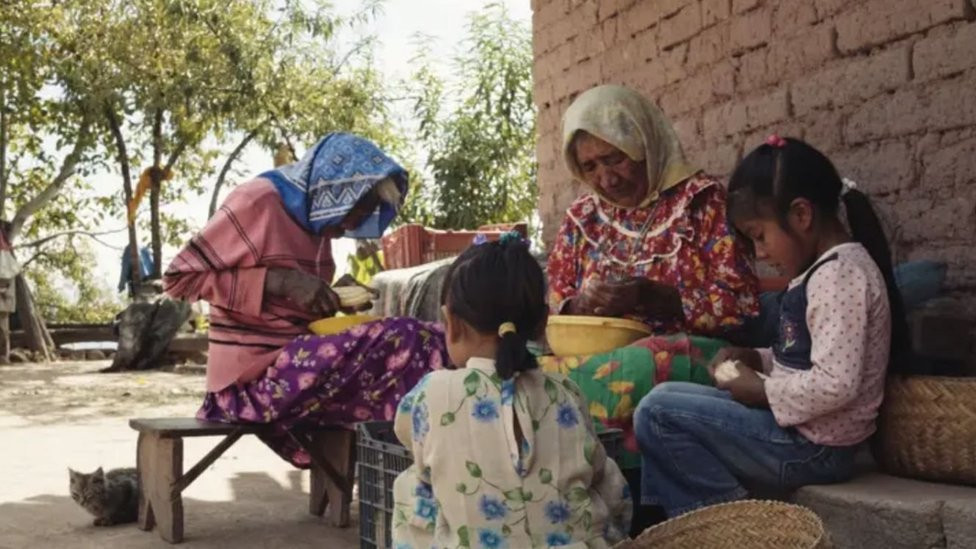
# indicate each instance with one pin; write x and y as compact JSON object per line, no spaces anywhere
{"x":160,"y":467}
{"x":338,"y":449}
{"x":145,"y":450}
{"x":319,"y":496}
{"x":168,"y":510}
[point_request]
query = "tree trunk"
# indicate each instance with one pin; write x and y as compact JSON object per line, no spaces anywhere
{"x":224,"y":171}
{"x":36,"y":336}
{"x":4,"y":121}
{"x":157,"y":175}
{"x":156,"y":179}
{"x":123,"y":157}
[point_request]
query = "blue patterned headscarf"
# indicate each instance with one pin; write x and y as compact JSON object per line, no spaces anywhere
{"x":320,"y":189}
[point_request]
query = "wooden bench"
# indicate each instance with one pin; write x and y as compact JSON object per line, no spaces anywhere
{"x":159,"y":456}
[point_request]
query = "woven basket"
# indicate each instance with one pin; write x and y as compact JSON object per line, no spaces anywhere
{"x":927,"y":428}
{"x":749,"y":524}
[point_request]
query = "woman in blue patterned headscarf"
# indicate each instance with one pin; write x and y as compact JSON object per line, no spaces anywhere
{"x":264,"y":263}
{"x":342,"y":170}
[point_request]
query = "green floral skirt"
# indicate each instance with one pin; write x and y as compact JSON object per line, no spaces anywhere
{"x":615,"y":382}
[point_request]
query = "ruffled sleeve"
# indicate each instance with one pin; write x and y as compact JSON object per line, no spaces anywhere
{"x":563,"y":267}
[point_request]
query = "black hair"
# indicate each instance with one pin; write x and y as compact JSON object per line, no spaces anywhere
{"x":770,"y":178}
{"x":494,"y":283}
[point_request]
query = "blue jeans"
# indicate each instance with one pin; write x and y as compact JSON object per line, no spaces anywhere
{"x":699,"y":447}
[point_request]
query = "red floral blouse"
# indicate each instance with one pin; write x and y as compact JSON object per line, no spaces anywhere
{"x":683,"y":239}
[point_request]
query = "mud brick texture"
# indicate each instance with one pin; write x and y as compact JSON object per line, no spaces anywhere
{"x":887,"y":88}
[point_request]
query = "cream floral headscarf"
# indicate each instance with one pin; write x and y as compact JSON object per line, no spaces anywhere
{"x":625,"y":119}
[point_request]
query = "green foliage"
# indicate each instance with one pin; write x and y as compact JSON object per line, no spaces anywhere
{"x":308,"y":87}
{"x":184,"y":78}
{"x":64,"y":290}
{"x":43,"y":126}
{"x":482,"y":147}
{"x":190,"y":80}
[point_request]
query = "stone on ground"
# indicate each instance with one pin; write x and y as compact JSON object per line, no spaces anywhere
{"x":877,"y":511}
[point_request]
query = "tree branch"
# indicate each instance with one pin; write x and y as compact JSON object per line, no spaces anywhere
{"x":50,"y":237}
{"x":345,"y":59}
{"x":284,"y":135}
{"x":67,"y":170}
{"x":227,"y":165}
{"x":175,"y":155}
{"x":39,"y":254}
{"x":116,"y":129}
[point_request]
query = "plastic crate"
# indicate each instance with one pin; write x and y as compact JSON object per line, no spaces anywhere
{"x":381,"y":458}
{"x":413,"y":245}
{"x":613,"y":441}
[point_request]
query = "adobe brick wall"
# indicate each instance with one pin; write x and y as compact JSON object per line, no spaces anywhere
{"x":887,"y":88}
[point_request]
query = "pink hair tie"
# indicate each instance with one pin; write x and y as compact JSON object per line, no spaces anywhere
{"x":775,"y":141}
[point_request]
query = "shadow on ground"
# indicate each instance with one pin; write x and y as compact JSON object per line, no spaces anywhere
{"x":261,"y":513}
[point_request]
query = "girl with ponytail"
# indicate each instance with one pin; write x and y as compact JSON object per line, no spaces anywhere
{"x":796,"y":413}
{"x":504,"y":454}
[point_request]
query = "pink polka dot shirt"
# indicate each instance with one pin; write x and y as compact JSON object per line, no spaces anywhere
{"x":836,"y":401}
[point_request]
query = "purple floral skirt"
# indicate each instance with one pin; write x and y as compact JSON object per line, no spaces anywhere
{"x":357,"y":375}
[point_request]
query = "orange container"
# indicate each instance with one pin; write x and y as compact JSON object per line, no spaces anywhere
{"x":412,"y":245}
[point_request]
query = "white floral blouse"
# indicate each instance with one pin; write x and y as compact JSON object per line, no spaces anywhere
{"x":474,"y":485}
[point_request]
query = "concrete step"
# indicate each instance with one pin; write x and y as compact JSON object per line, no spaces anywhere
{"x":877,"y":511}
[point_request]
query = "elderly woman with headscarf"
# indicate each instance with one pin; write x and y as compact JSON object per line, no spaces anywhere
{"x":264,"y":264}
{"x":650,"y":243}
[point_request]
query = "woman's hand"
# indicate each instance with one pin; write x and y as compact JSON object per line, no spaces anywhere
{"x":348,"y":281}
{"x":637,"y":295}
{"x":307,"y":291}
{"x":746,"y":387}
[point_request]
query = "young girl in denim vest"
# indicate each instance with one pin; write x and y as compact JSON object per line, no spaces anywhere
{"x":796,"y":413}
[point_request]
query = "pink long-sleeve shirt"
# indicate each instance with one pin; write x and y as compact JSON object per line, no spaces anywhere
{"x":836,"y":401}
{"x":226,"y":264}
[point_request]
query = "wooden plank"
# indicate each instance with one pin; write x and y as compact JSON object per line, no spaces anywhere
{"x":338,"y":449}
{"x":77,"y":325}
{"x":191,"y":427}
{"x":167,"y":504}
{"x":160,"y":465}
{"x":305,"y":440}
{"x":170,"y":427}
{"x":207,"y":460}
{"x":188,"y":343}
{"x":64,"y":335}
{"x":146,"y":462}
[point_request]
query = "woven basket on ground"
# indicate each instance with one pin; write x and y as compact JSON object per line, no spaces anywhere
{"x":749,"y":524}
{"x":927,"y":428}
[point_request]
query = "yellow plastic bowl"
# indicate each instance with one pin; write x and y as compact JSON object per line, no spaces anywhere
{"x":591,"y":335}
{"x":339,"y":324}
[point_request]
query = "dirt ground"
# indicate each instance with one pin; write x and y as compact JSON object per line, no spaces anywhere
{"x":60,"y":415}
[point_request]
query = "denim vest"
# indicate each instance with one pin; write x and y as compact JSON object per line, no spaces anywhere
{"x":793,"y":346}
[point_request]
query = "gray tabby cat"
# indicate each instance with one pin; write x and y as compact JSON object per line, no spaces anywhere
{"x":112,"y":497}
